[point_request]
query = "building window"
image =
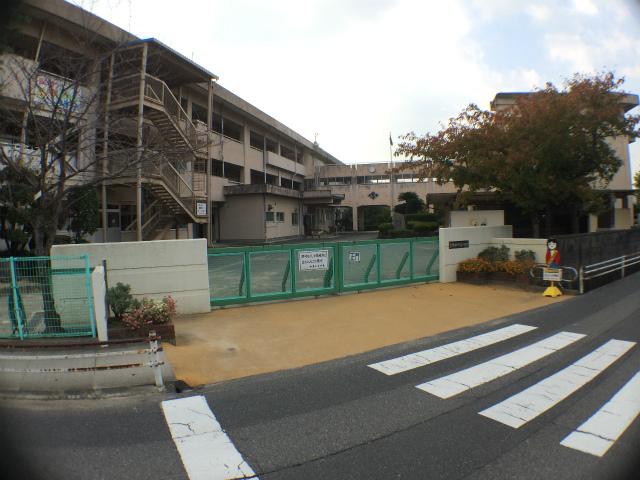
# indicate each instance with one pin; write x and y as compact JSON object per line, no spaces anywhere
{"x":268,"y":216}
{"x":294,"y":218}
{"x":256,"y":140}
{"x":280,"y":217}
{"x":286,"y":183}
{"x":127,"y":216}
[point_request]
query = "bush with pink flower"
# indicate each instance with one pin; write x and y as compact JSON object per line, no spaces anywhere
{"x":150,"y":312}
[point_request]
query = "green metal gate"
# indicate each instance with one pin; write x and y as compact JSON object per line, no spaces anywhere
{"x":251,"y":274}
{"x":46,"y":297}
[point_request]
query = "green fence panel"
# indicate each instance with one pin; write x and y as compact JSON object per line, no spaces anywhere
{"x":359,"y":265}
{"x":251,"y":274}
{"x":314,"y":277}
{"x":268,"y":272}
{"x":227,"y":276}
{"x":46,"y":297}
{"x":394,"y":265}
{"x":425,"y":260}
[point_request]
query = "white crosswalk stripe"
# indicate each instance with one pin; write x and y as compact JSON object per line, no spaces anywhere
{"x":206,"y":451}
{"x":600,"y":432}
{"x":446,"y":387}
{"x":537,"y":399}
{"x":432,"y":355}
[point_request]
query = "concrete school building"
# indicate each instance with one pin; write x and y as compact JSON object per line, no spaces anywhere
{"x":183,"y":157}
{"x":372,"y":184}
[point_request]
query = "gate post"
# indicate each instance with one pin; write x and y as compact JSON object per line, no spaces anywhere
{"x":17,"y":311}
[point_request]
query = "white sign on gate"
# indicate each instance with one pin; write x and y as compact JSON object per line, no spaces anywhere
{"x":354,"y":257}
{"x":313,"y":260}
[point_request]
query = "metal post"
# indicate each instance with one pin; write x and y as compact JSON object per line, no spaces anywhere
{"x":294,"y":268}
{"x":411,"y":258}
{"x":16,"y":305}
{"x":379,"y":264}
{"x":105,"y":150}
{"x":156,"y":364}
{"x":581,"y":280}
{"x":87,"y":279}
{"x":143,"y":70}
{"x":106,"y":285}
{"x":622,"y":267}
{"x":209,"y":160}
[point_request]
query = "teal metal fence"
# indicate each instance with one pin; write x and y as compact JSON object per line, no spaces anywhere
{"x":251,"y":274}
{"x":46,"y":297}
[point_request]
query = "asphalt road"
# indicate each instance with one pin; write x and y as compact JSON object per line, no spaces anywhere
{"x":345,"y":420}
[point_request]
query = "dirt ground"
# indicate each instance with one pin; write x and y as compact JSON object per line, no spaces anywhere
{"x":236,"y":342}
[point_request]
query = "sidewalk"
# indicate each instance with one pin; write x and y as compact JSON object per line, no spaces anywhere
{"x":236,"y":342}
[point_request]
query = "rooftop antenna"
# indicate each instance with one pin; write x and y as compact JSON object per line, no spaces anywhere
{"x":315,"y":139}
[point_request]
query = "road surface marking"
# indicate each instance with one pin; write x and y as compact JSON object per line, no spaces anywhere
{"x":446,"y":387}
{"x":425,"y":357}
{"x":600,"y":432}
{"x":528,"y":404}
{"x":206,"y":451}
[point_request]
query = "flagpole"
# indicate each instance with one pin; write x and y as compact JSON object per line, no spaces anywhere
{"x":391,"y":177}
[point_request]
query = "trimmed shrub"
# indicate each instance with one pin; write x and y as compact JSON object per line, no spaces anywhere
{"x":423,"y":226}
{"x":385,"y":227}
{"x":472,"y":265}
{"x":422,"y":217}
{"x":512,"y":267}
{"x":120,"y":300}
{"x":402,"y":233}
{"x":495,"y":254}
{"x":527,"y":256}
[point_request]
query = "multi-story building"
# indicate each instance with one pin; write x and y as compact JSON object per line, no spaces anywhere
{"x":373,"y":184}
{"x":176,"y":154}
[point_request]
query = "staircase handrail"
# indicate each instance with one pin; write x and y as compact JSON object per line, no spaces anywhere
{"x":158,"y":91}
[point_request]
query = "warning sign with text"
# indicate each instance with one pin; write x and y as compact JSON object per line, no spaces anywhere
{"x":313,"y":260}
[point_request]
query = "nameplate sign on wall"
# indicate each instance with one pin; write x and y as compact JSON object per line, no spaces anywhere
{"x":313,"y":260}
{"x":201,"y":209}
{"x":458,"y":244}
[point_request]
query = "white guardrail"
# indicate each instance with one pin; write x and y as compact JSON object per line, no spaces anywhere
{"x":607,"y":266}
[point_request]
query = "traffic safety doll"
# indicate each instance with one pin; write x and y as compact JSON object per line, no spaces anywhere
{"x":552,"y":272}
{"x":553,"y":255}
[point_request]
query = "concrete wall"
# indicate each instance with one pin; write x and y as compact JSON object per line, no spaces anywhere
{"x":242,"y":217}
{"x":154,"y":269}
{"x":479,"y":238}
{"x":287,"y":206}
{"x":475,"y":218}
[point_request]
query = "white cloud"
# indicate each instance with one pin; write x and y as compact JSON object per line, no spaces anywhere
{"x":539,"y":12}
{"x":586,"y":7}
{"x":353,"y":70}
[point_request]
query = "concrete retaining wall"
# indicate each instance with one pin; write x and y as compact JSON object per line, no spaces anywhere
{"x":154,"y":269}
{"x":478,"y":239}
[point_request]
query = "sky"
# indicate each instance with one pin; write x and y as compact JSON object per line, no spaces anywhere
{"x":350,"y":72}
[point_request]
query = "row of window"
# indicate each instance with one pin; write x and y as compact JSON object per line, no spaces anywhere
{"x":371,"y":179}
{"x":278,"y":217}
{"x":235,"y":131}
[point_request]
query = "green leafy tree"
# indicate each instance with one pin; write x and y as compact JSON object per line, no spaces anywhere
{"x":412,"y":203}
{"x":551,"y":149}
{"x":84,"y":212}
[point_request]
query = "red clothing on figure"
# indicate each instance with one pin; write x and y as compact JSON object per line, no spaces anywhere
{"x":553,"y":258}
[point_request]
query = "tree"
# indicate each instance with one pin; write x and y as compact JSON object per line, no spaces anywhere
{"x":550,"y":150}
{"x":412,"y":203}
{"x":636,"y":183}
{"x":84,"y":212}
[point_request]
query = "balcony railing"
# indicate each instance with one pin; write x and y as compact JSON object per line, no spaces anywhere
{"x":127,"y":88}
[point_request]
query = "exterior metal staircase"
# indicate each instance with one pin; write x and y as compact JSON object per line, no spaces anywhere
{"x":163,"y":172}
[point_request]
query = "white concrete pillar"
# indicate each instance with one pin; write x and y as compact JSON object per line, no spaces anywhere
{"x":99,"y":291}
